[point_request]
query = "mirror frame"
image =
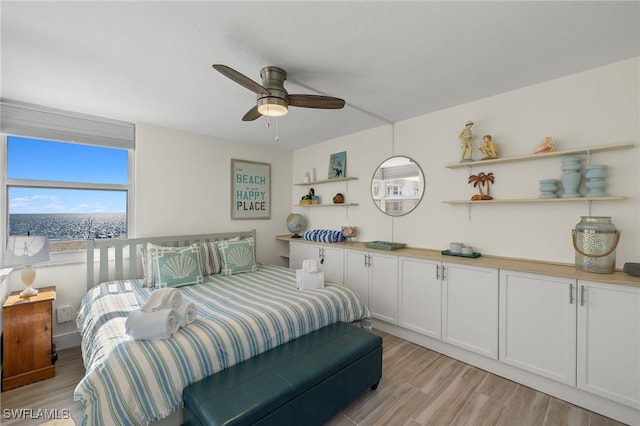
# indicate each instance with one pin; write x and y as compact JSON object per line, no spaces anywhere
{"x":420,"y":175}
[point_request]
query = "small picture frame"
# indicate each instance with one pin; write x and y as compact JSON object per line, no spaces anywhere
{"x":338,"y":165}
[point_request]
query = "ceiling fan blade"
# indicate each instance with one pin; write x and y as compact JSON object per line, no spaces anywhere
{"x":241,"y":79}
{"x":316,"y":101}
{"x":252,"y":114}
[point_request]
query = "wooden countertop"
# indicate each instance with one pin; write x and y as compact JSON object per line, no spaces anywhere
{"x":521,"y":265}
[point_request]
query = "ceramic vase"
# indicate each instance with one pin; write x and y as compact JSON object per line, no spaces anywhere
{"x":570,"y":177}
{"x":548,"y":188}
{"x":595,"y":180}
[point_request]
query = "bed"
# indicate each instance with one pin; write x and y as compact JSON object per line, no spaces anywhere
{"x":239,"y":315}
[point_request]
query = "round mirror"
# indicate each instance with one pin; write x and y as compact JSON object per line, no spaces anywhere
{"x":397,"y":186}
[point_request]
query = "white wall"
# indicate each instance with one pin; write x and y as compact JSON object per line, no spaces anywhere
{"x":182,"y":186}
{"x":597,"y":107}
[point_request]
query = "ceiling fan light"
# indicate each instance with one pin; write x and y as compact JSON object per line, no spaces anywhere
{"x":272,"y":107}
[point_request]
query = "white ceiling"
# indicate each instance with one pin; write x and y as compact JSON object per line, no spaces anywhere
{"x":151,"y":62}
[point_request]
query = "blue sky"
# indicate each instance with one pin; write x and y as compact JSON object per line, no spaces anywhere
{"x":67,"y":162}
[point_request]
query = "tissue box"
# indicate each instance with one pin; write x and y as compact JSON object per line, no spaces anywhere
{"x":309,"y":280}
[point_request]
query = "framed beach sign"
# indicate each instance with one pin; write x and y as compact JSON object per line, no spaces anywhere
{"x":250,"y":190}
{"x":338,"y":165}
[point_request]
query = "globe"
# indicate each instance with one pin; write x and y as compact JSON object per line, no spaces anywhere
{"x":296,"y":224}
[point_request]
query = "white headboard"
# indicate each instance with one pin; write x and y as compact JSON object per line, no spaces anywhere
{"x":114,"y":249}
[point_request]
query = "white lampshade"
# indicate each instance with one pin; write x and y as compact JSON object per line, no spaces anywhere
{"x":272,"y":106}
{"x":27,"y":250}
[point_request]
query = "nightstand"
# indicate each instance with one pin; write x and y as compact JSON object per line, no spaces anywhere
{"x":28,"y":342}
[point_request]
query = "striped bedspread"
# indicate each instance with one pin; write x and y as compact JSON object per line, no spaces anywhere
{"x":240,"y":316}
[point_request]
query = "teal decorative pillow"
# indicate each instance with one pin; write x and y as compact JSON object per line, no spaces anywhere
{"x":237,"y":256}
{"x":175,"y":266}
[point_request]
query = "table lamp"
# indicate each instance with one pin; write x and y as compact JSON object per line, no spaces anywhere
{"x":27,"y":250}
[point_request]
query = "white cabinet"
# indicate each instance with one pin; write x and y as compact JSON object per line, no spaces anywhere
{"x":301,"y":251}
{"x":586,"y":335}
{"x":374,"y":276}
{"x":420,"y":296}
{"x":470,"y":308}
{"x":356,"y":273}
{"x":538,"y":324}
{"x":609,"y":341}
{"x":457,"y":304}
{"x":330,"y":259}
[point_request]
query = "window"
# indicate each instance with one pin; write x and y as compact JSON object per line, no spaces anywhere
{"x":69,"y":191}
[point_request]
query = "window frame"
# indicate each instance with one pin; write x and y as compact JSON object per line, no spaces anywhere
{"x":70,"y":256}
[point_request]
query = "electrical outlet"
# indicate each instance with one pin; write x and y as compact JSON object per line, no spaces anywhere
{"x":65,"y":313}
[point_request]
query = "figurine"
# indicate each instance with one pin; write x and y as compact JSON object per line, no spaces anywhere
{"x":480,"y":180}
{"x":466,"y":138}
{"x":309,"y":195}
{"x":489,"y":148}
{"x":547,"y":144}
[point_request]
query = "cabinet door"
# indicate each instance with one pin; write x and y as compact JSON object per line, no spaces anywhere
{"x":609,"y":341}
{"x":383,"y":288}
{"x":538,"y":324}
{"x":333,"y":263}
{"x":470,"y":308}
{"x":420,"y":293}
{"x":356,"y":273}
{"x":301,"y":251}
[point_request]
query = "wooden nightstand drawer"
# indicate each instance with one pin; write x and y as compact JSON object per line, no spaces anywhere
{"x":27,"y":338}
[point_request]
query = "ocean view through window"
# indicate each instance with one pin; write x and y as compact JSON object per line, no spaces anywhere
{"x":69,"y":192}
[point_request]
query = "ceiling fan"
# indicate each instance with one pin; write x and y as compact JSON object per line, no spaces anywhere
{"x":273,"y":99}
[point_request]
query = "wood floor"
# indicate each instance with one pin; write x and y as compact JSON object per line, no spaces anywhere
{"x":418,"y":387}
{"x":52,"y":394}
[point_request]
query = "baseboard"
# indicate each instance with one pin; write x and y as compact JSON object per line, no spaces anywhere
{"x":67,"y":340}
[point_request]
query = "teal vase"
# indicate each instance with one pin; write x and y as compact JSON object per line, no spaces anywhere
{"x":548,"y":188}
{"x":595,"y":180}
{"x":571,"y":177}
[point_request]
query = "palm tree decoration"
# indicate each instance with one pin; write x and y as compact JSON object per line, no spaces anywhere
{"x":489,"y":179}
{"x":479,"y":181}
{"x":476,"y":180}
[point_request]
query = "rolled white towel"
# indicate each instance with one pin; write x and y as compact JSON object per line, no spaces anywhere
{"x":163,"y":298}
{"x":186,"y":312}
{"x":160,"y":324}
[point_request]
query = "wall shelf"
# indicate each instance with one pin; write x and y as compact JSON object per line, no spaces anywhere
{"x":327,"y":205}
{"x":529,"y":157}
{"x":536,"y":200}
{"x":317,"y":182}
{"x":344,"y":179}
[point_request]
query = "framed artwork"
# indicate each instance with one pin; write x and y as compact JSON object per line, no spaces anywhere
{"x":338,"y":165}
{"x":250,"y":190}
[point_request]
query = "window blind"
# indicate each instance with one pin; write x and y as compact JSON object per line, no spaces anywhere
{"x":29,"y":120}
